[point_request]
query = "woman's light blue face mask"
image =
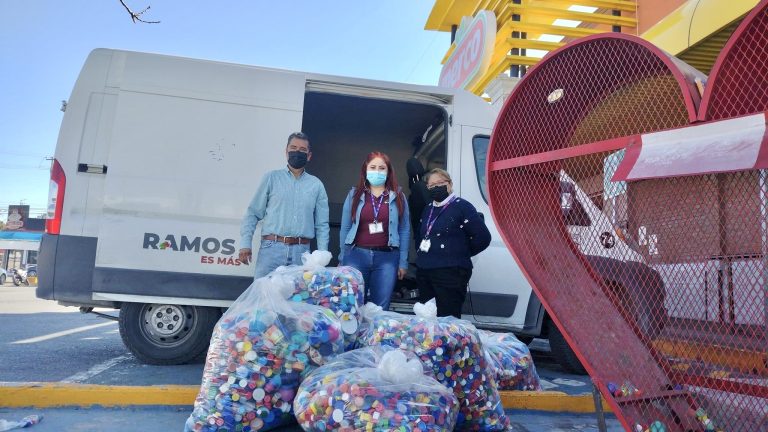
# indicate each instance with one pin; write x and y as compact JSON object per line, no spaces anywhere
{"x":376,"y":178}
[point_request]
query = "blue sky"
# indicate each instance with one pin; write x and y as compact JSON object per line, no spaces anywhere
{"x":43,"y":44}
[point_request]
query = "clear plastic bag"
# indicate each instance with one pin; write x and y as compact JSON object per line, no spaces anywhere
{"x":260,"y":350}
{"x":340,"y":289}
{"x":452,"y":349}
{"x":375,"y":389}
{"x":510,"y":360}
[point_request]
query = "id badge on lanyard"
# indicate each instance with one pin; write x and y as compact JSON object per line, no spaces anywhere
{"x":375,"y":228}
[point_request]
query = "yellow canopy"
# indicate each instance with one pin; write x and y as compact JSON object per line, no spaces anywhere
{"x":697,"y":31}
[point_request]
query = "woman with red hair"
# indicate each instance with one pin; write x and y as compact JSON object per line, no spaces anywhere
{"x":375,"y":229}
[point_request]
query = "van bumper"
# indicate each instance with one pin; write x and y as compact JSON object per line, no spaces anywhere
{"x":65,"y":270}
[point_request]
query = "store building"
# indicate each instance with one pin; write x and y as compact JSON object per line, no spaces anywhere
{"x":517,"y":34}
{"x":20,"y":239}
{"x":526,"y":30}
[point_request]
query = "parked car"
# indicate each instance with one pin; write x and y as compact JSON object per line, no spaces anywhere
{"x":3,"y":276}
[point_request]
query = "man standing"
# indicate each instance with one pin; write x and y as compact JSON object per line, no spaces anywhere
{"x":293,"y":206}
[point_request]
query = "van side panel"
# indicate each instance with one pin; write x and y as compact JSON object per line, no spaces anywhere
{"x":181,"y":174}
{"x":189,"y":144}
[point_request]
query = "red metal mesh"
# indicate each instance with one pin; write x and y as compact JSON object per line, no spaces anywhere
{"x":659,"y":284}
{"x":738,"y":84}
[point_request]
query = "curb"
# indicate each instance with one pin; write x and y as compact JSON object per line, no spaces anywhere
{"x":553,"y":401}
{"x":57,"y":395}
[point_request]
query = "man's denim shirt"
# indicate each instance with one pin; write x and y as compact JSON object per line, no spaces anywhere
{"x":288,"y":206}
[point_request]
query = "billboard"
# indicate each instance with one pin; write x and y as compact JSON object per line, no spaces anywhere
{"x":17,"y":217}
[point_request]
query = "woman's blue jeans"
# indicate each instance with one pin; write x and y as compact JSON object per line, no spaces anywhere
{"x":379,"y":269}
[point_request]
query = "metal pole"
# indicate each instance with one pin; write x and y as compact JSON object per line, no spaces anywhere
{"x":601,"y":426}
{"x":764,"y":235}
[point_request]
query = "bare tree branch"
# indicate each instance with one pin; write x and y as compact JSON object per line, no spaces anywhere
{"x":136,"y":16}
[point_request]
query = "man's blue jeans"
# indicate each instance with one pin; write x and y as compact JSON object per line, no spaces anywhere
{"x":379,"y":269}
{"x":273,"y":254}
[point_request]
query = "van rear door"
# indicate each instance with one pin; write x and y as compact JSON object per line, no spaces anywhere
{"x":191,"y":141}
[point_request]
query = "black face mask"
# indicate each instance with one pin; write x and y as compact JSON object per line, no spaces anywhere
{"x":297,"y":159}
{"x":439,"y":193}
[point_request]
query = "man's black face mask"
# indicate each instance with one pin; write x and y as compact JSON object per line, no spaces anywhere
{"x":297,"y":159}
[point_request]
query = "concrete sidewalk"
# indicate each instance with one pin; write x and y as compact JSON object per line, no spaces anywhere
{"x":164,"y":419}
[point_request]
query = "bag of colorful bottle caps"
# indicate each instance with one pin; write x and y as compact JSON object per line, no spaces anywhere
{"x":452,"y":348}
{"x":510,"y":360}
{"x":339,"y":289}
{"x":260,"y":350}
{"x":375,"y":389}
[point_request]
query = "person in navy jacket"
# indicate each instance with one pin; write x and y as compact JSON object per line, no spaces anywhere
{"x":375,"y":229}
{"x":451,"y":232}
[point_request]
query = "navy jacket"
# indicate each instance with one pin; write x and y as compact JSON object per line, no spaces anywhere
{"x":457,"y":234}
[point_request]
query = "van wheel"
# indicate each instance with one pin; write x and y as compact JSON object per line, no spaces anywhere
{"x":166,"y":334}
{"x":563,"y":352}
{"x":640,"y":310}
{"x":525,"y":339}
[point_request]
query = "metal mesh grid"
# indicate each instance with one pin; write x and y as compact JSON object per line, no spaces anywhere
{"x":659,"y":285}
{"x":739,"y":81}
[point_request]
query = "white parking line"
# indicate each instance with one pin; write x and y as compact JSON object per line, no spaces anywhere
{"x":546,"y":385}
{"x":99,"y":368}
{"x":63,"y":333}
{"x":569,"y":382}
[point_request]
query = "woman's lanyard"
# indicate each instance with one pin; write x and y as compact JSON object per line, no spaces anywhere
{"x":426,"y":242}
{"x":376,"y":204}
{"x":376,"y":227}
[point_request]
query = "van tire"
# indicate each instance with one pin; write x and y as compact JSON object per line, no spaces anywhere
{"x":166,"y":334}
{"x":525,"y":339}
{"x":563,"y":352}
{"x":640,"y":310}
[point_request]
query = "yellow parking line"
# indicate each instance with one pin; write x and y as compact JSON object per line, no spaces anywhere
{"x":749,"y":361}
{"x":45,"y":395}
{"x":52,"y":395}
{"x":550,"y":401}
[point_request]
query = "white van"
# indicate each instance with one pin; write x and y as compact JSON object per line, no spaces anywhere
{"x":158,"y":157}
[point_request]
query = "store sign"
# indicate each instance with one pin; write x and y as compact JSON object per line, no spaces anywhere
{"x":17,"y":214}
{"x":474,"y":48}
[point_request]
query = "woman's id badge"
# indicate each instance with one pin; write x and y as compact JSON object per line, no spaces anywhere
{"x":375,"y":228}
{"x":425,"y":244}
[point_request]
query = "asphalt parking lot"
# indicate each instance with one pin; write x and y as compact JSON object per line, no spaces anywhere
{"x":43,"y":342}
